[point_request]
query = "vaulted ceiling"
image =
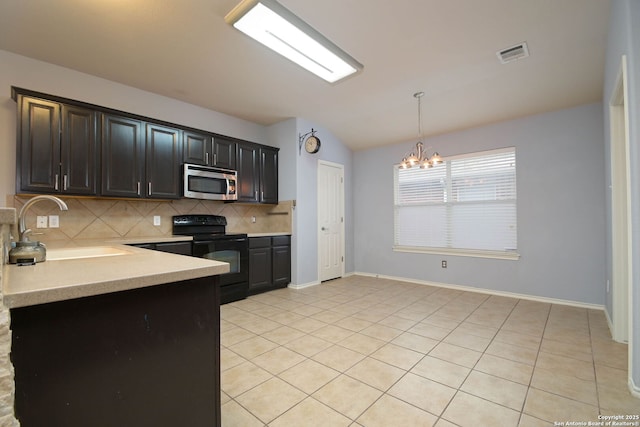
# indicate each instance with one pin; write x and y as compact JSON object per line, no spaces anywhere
{"x":183,"y":49}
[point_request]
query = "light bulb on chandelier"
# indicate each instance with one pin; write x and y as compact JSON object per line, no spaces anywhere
{"x":420,"y":156}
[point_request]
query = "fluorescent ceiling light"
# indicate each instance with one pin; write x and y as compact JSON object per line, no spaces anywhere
{"x":268,"y":22}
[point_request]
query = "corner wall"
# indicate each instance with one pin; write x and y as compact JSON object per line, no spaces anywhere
{"x":298,"y":172}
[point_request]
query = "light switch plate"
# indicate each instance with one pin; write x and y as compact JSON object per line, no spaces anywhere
{"x":54,"y":221}
{"x":41,"y":221}
{"x":156,"y":220}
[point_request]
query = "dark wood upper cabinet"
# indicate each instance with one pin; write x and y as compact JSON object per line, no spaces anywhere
{"x":57,"y":148}
{"x":257,"y":173}
{"x":268,"y":175}
{"x":38,"y":145}
{"x":208,"y":150}
{"x":123,"y":149}
{"x":71,"y":147}
{"x":197,"y":148}
{"x":224,"y":153}
{"x":163,"y":160}
{"x":79,"y":154}
{"x":248,"y":172}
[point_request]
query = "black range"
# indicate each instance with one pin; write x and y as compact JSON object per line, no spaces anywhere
{"x":211,"y":241}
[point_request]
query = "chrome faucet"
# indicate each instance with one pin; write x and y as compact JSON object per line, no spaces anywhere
{"x":23,"y":212}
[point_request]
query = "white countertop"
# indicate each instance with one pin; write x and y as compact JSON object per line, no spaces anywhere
{"x":51,"y":281}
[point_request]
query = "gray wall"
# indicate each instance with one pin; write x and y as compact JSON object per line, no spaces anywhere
{"x":624,"y":39}
{"x":561,"y":209}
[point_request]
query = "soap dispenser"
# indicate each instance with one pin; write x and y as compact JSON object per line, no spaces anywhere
{"x":27,"y":252}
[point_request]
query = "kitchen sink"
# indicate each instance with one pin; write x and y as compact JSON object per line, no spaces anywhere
{"x":85,"y":252}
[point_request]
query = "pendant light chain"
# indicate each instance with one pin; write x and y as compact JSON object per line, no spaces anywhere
{"x":418,"y":96}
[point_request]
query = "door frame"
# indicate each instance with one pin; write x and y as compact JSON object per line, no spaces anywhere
{"x":621,"y":225}
{"x":323,"y":163}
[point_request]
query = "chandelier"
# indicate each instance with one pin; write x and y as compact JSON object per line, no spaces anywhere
{"x":419,"y":156}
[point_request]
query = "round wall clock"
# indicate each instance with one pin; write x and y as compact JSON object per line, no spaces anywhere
{"x":312,"y":144}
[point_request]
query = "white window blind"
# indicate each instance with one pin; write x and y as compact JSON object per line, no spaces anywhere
{"x":467,"y":203}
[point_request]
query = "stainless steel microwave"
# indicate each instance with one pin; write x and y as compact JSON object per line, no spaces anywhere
{"x":205,"y":182}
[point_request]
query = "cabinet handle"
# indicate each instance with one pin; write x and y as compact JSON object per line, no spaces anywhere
{"x":255,"y":194}
{"x":261,"y":196}
{"x":138,"y":188}
{"x":55,"y":184}
{"x":149,"y":187}
{"x":65,"y":182}
{"x":206,"y":158}
{"x":215,"y":159}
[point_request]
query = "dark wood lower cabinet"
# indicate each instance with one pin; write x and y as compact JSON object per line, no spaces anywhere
{"x":260,"y":265}
{"x":269,"y":263}
{"x":144,"y":357}
{"x":281,"y":257}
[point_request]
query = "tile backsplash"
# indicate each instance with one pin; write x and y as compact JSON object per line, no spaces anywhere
{"x":108,"y":219}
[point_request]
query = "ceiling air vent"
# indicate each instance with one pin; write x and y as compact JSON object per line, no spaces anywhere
{"x":513,"y":53}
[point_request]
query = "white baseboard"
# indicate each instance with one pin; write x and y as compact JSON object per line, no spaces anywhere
{"x":633,"y":388}
{"x":489,"y":291}
{"x":303,"y":285}
{"x":609,"y":321}
{"x":306,"y":285}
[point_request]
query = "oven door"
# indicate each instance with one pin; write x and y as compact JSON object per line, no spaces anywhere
{"x":235,"y":251}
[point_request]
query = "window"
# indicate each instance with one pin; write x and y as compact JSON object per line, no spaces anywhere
{"x":464,"y":206}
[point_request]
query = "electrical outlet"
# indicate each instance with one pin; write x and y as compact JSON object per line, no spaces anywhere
{"x":444,"y":264}
{"x":41,"y":221}
{"x":156,"y":220}
{"x":253,"y":219}
{"x":54,"y":221}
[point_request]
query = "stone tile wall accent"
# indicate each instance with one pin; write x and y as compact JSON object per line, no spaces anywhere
{"x":109,"y":219}
{"x":7,"y":386}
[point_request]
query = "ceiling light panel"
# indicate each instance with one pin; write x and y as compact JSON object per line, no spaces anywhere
{"x":277,"y":28}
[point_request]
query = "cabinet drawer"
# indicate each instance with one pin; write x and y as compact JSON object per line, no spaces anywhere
{"x":281,"y":240}
{"x":259,"y":242}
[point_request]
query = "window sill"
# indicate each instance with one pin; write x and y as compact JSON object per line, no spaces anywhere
{"x":508,"y":255}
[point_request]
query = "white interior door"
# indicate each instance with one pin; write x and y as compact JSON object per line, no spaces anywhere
{"x":621,"y":209}
{"x":330,"y":220}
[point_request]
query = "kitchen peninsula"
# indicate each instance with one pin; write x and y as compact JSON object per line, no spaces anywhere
{"x":126,"y":339}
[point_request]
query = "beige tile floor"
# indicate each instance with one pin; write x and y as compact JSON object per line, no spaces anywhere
{"x":362,"y":351}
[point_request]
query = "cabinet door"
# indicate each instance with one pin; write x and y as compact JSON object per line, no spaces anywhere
{"x":163,"y":160}
{"x":281,"y":265}
{"x":197,"y":148}
{"x":122,"y":157}
{"x":38,"y":145}
{"x":79,"y":151}
{"x":268,"y":175}
{"x":259,"y":270}
{"x":248,"y":172}
{"x":224,"y":153}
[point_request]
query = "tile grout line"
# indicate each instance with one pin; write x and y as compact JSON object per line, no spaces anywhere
{"x":371,"y":299}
